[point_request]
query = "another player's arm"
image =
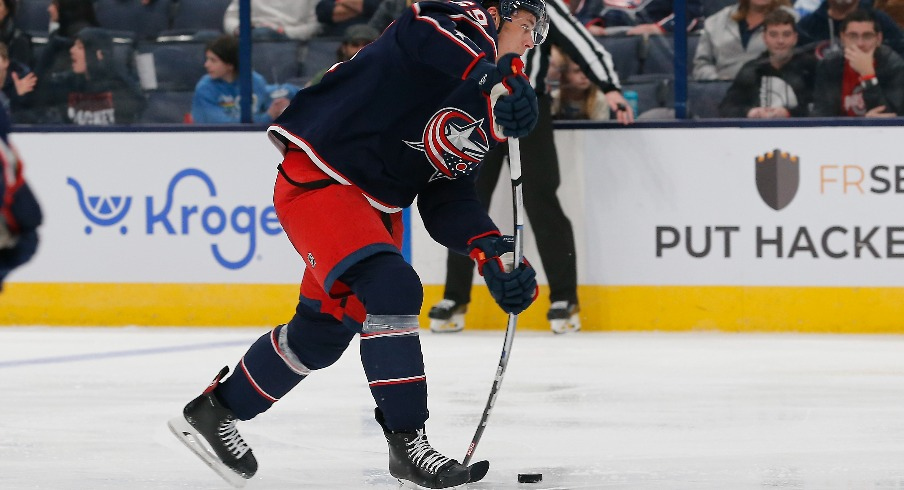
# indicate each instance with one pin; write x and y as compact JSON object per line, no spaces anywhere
{"x":573,"y":38}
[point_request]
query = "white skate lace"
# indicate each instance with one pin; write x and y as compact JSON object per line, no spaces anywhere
{"x":423,"y":455}
{"x":233,"y":440}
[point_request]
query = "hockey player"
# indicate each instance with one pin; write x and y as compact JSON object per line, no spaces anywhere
{"x":411,"y":115}
{"x":20,"y":214}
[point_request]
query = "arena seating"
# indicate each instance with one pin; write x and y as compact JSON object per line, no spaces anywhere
{"x":167,"y":107}
{"x":199,"y":15}
{"x":171,"y":34}
{"x":146,"y":21}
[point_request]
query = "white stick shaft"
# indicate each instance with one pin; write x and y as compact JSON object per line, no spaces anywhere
{"x":518,"y":205}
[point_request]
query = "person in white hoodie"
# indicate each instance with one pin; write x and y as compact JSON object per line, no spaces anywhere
{"x":276,"y":20}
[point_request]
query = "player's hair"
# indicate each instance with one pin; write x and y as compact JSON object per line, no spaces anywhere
{"x":779,"y":17}
{"x":860,"y":15}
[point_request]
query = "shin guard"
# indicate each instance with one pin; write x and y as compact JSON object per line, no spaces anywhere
{"x":264,"y":375}
{"x":392,"y":359}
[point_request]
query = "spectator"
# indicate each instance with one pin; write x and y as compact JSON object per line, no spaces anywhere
{"x":777,"y":84}
{"x":18,"y":43}
{"x":866,"y":79}
{"x":653,"y":18}
{"x":388,"y":11}
{"x":18,"y":84}
{"x":894,"y":9}
{"x":96,"y":91}
{"x":67,"y":18}
{"x":217,"y":94}
{"x":577,"y":97}
{"x":806,"y":7}
{"x":276,"y":20}
{"x":733,"y":36}
{"x":356,"y":37}
{"x":20,"y":214}
{"x":337,"y":15}
{"x":824,"y":24}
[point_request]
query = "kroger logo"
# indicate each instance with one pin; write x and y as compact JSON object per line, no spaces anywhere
{"x":105,"y":211}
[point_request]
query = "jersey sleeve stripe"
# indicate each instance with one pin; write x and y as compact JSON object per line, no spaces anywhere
{"x":473,"y":52}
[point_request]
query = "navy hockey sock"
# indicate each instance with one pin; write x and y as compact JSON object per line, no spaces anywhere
{"x":392,"y":359}
{"x":267,"y":371}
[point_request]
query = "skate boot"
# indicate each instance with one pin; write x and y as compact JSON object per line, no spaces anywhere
{"x":413,"y":460}
{"x":563,"y":317}
{"x":447,"y":316}
{"x":208,"y":429}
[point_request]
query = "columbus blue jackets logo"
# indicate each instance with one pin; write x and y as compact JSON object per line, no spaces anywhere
{"x":454,"y":143}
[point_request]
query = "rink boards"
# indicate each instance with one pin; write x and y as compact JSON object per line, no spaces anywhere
{"x":755,"y":229}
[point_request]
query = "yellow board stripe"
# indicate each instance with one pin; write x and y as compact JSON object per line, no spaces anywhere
{"x":667,"y":308}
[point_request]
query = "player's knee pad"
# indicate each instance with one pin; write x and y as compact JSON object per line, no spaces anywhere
{"x":386,"y":285}
{"x":267,"y":371}
{"x":392,"y":359}
{"x":317,"y":339}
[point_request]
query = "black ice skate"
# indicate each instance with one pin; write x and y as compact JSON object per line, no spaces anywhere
{"x":447,"y":316}
{"x":563,"y":317}
{"x":412,"y":459}
{"x":208,"y":429}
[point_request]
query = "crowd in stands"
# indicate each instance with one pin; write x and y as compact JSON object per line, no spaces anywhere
{"x":101,"y":62}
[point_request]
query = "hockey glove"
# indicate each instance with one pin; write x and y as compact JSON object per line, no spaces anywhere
{"x":514,"y":289}
{"x":516,"y":113}
{"x":512,"y":98}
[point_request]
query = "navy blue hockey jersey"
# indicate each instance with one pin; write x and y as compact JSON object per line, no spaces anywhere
{"x":401,"y":119}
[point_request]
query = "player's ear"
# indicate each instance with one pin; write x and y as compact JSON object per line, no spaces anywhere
{"x":495,"y":13}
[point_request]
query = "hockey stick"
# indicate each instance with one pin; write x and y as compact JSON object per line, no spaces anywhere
{"x":518,"y":204}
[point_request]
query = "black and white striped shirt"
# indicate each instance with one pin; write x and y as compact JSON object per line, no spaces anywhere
{"x":571,"y":37}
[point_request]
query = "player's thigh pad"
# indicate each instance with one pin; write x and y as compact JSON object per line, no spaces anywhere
{"x":332,"y":228}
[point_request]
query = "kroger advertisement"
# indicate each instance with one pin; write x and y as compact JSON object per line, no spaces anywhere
{"x":720,"y":206}
{"x":156,"y":207}
{"x":753,"y":207}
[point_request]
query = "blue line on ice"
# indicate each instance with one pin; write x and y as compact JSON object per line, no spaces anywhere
{"x":93,"y":356}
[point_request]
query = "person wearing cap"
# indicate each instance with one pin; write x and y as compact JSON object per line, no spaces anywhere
{"x":217,"y":94}
{"x":97,"y":90}
{"x":355,"y":38}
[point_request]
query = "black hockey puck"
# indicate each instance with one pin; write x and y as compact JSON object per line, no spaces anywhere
{"x":529,"y":477}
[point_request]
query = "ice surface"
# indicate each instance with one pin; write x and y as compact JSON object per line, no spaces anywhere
{"x":86,"y":408}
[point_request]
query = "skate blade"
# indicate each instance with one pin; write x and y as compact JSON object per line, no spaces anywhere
{"x":570,"y":325}
{"x":408,"y":485}
{"x":452,"y":325}
{"x":194,"y":441}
